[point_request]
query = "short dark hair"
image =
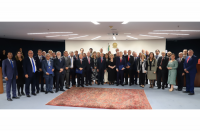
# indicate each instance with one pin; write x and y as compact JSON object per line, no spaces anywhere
{"x":9,"y":52}
{"x":39,"y":50}
{"x":81,"y":48}
{"x":157,"y":50}
{"x":173,"y":54}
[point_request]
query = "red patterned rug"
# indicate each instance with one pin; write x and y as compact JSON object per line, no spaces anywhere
{"x":107,"y":98}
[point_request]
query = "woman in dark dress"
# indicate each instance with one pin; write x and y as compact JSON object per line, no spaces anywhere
{"x":21,"y":79}
{"x":94,"y":71}
{"x":111,"y":70}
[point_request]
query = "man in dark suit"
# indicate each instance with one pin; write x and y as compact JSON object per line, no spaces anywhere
{"x":191,"y":70}
{"x":101,"y":68}
{"x":39,"y":74}
{"x":134,"y":68}
{"x":30,"y":69}
{"x":80,"y":65}
{"x":147,"y":57}
{"x":10,"y":74}
{"x":59,"y":65}
{"x":48,"y":75}
{"x":180,"y":71}
{"x":162,"y":70}
{"x":72,"y":68}
{"x":120,"y":72}
{"x":128,"y":70}
{"x":67,"y":70}
{"x":89,"y":66}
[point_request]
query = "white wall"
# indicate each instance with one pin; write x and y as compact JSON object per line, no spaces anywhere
{"x":136,"y":45}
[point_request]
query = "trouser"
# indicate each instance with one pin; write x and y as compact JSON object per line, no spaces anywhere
{"x":88,"y":76}
{"x":142,"y":78}
{"x":161,"y":74}
{"x":39,"y":75}
{"x":120,"y":76}
{"x":49,"y":82}
{"x":80,"y":79}
{"x":180,"y":79}
{"x":190,"y":77}
{"x":59,"y":80}
{"x":66,"y":77}
{"x":72,"y":73}
{"x":146,"y":79}
{"x":9,"y":83}
{"x":134,"y":74}
{"x":100,"y":76}
{"x":20,"y":86}
{"x":128,"y":72}
{"x":30,"y":80}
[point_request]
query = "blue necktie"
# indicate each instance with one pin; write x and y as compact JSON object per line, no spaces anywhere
{"x":33,"y":65}
{"x":48,"y":63}
{"x":11,"y":63}
{"x":60,"y":60}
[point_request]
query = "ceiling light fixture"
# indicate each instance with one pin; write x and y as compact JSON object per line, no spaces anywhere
{"x":96,"y":37}
{"x":78,"y":37}
{"x":95,"y":22}
{"x":178,"y":30}
{"x":61,"y":35}
{"x":47,"y":33}
{"x":114,"y":38}
{"x":132,"y":37}
{"x":151,"y":36}
{"x":167,"y":33}
{"x":125,"y":22}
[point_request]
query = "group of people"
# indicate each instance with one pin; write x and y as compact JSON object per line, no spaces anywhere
{"x":96,"y":67}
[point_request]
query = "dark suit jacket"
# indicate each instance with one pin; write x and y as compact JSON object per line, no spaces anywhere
{"x":89,"y":66}
{"x":58,"y":65}
{"x":164,"y":62}
{"x":38,"y":62}
{"x":101,"y":66}
{"x":79,"y":65}
{"x":27,"y":66}
{"x":7,"y":69}
{"x":135,"y":63}
{"x":180,"y":68}
{"x":45,"y":65}
{"x":130,"y":60}
{"x":118,"y":63}
{"x":191,"y":65}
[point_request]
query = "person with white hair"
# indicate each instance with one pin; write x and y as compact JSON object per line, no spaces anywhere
{"x":59,"y":64}
{"x":180,"y":71}
{"x":120,"y":67}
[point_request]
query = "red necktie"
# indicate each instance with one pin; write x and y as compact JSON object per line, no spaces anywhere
{"x":161,"y":62}
{"x":188,"y":59}
{"x":81,"y":61}
{"x":101,"y":60}
{"x":88,"y":60}
{"x":128,"y":58}
{"x":120,"y":60}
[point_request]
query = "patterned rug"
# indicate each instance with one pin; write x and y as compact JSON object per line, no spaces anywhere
{"x":107,"y":98}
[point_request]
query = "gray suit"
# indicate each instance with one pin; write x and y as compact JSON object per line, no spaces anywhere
{"x":67,"y":64}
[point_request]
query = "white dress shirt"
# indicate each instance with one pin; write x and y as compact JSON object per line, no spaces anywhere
{"x":72,"y":61}
{"x":32,"y":63}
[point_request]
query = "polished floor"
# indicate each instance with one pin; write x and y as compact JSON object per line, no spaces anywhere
{"x":158,"y":98}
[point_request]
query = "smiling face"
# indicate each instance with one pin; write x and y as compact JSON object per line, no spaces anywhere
{"x":30,"y":54}
{"x":10,"y":55}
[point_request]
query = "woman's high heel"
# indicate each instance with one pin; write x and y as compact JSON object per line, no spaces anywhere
{"x":171,"y":89}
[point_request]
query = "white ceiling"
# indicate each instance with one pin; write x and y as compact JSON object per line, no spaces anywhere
{"x":19,"y":30}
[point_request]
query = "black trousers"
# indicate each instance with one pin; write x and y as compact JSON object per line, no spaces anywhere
{"x":180,"y":80}
{"x":72,"y":74}
{"x":100,"y":76}
{"x":30,"y":80}
{"x":88,"y":76}
{"x":134,"y":77}
{"x":162,"y":74}
{"x":146,"y":79}
{"x":128,"y":72}
{"x":142,"y":78}
{"x":80,"y":78}
{"x":59,"y":80}
{"x":39,"y":75}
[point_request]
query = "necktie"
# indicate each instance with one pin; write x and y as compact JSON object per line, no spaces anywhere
{"x":40,"y":59}
{"x":11,"y":63}
{"x":33,"y":65}
{"x":71,"y":62}
{"x":120,"y":60}
{"x":156,"y":57}
{"x":89,"y":60}
{"x":188,"y":59}
{"x":161,"y":62}
{"x":101,"y":60}
{"x":128,"y":58}
{"x":48,"y":63}
{"x":81,"y":61}
{"x":60,"y":60}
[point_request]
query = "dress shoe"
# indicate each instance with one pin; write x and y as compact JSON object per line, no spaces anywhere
{"x":129,"y":84}
{"x":159,"y":88}
{"x":16,"y":97}
{"x":28,"y":96}
{"x":82,"y":85}
{"x":163,"y":88}
{"x":86,"y":84}
{"x":186,"y":92}
{"x":19,"y":94}
{"x":122,"y":84}
{"x":56,"y":91}
{"x":90,"y":84}
{"x":191,"y":94}
{"x":98,"y":84}
{"x":117,"y":84}
{"x":43,"y":91}
{"x":62,"y":90}
{"x":46,"y":92}
{"x":34,"y":94}
{"x":102,"y":83}
{"x":37,"y":92}
{"x":9,"y":99}
{"x":78,"y":85}
{"x":22,"y":93}
{"x":67,"y":87}
{"x":136,"y":84}
{"x":51,"y":91}
{"x":126,"y":84}
{"x":166,"y":86}
{"x":74,"y":85}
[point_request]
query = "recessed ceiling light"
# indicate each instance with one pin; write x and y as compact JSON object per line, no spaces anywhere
{"x":167,"y":33}
{"x":96,"y":37}
{"x":114,"y":38}
{"x":127,"y":33}
{"x":95,"y":22}
{"x":125,"y":22}
{"x":132,"y":37}
{"x":151,"y":36}
{"x":78,"y":37}
{"x":47,"y":33}
{"x":61,"y":35}
{"x":178,"y":30}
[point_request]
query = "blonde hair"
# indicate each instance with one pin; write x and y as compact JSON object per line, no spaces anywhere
{"x":143,"y":55}
{"x":93,"y":54}
{"x":16,"y":57}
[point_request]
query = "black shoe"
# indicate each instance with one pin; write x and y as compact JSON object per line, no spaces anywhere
{"x":102,"y":83}
{"x":126,"y":84}
{"x":191,"y":94}
{"x":34,"y":94}
{"x":90,"y":84}
{"x":163,"y":88}
{"x":82,"y":85}
{"x":67,"y":87}
{"x":158,"y":87}
{"x":9,"y":99}
{"x":86,"y":84}
{"x":22,"y":93}
{"x":117,"y":84}
{"x":98,"y":84}
{"x":37,"y":92}
{"x":122,"y":84}
{"x":51,"y":91}
{"x":78,"y":85}
{"x":129,"y":84}
{"x":62,"y":90}
{"x":16,"y":97}
{"x":166,"y":86}
{"x":136,"y":84}
{"x":46,"y":92}
{"x":186,"y":92}
{"x":19,"y":94}
{"x":28,"y":96}
{"x":56,"y":91}
{"x":43,"y":91}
